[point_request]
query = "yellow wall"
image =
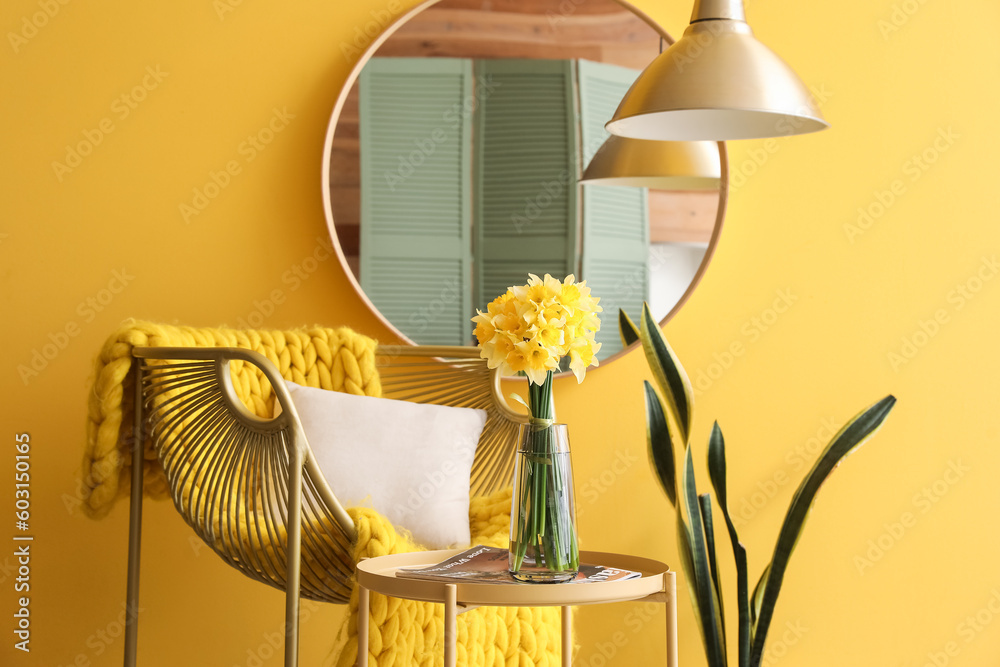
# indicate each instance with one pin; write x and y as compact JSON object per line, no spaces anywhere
{"x":889,"y":94}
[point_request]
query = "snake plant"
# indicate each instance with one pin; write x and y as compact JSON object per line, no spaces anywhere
{"x":668,"y":427}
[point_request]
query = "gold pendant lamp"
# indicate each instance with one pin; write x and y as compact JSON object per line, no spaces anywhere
{"x":717,"y":82}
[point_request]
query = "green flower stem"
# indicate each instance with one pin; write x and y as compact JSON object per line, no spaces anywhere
{"x":543,"y":524}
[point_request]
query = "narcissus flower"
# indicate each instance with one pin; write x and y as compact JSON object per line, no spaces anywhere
{"x":531,"y":327}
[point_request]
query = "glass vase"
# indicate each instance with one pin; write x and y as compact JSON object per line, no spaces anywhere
{"x":543,"y":546}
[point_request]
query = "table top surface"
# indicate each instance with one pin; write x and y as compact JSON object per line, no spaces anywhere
{"x":379,"y":575}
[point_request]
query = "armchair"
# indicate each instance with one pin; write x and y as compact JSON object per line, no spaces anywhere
{"x":249,"y":484}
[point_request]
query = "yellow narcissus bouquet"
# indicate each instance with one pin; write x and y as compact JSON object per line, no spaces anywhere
{"x":530,"y":329}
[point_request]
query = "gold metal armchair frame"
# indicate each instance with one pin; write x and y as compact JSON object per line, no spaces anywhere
{"x":250,"y":486}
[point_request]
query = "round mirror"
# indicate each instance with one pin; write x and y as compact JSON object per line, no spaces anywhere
{"x":452,"y":165}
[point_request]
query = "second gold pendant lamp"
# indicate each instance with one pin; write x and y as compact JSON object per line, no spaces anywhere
{"x":666,"y":165}
{"x":717,"y":82}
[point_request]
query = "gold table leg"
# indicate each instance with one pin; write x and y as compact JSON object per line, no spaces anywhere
{"x":450,"y":634}
{"x":670,"y":588}
{"x":363,"y":603}
{"x":567,"y":637}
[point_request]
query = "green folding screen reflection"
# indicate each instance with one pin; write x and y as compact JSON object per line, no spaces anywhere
{"x":469,"y":175}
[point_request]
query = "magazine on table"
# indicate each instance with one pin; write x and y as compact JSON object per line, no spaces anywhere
{"x":488,"y":565}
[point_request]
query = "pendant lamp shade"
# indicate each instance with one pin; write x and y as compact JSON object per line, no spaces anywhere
{"x":665,"y":165}
{"x":717,"y":82}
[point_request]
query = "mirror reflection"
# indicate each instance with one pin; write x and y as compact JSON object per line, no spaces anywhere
{"x":454,"y":165}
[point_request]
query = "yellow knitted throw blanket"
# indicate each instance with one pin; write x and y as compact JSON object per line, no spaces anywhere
{"x":402,"y":632}
{"x":337,"y":359}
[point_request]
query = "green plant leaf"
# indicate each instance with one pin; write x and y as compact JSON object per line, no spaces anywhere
{"x":851,"y":436}
{"x":717,"y":473}
{"x":708,"y":525}
{"x":668,"y":372}
{"x":660,"y":443}
{"x":758,"y":596}
{"x":707,"y":597}
{"x":687,"y":562}
{"x":626,"y":328}
{"x":705,"y":505}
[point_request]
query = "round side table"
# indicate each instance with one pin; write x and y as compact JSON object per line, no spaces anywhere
{"x":657,"y":584}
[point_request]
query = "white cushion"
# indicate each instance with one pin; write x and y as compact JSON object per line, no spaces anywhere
{"x":409,"y":461}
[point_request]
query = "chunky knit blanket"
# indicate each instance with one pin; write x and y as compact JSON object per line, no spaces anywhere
{"x":337,"y":359}
{"x":402,"y":632}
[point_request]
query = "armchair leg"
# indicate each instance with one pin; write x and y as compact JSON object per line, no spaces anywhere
{"x":293,"y":554}
{"x":134,"y":528}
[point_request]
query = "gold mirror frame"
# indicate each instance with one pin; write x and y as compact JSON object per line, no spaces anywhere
{"x":338,"y":108}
